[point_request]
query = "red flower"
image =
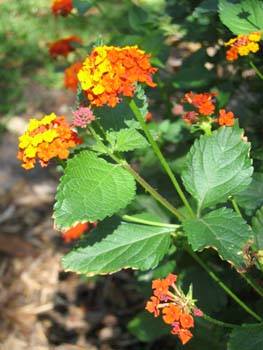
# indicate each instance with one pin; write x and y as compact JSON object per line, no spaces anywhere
{"x":64,"y":46}
{"x":75,"y":232}
{"x":62,"y":7}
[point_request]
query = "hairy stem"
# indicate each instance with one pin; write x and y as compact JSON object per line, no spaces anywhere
{"x":147,"y":222}
{"x":220,"y":323}
{"x":223,"y":286}
{"x":259,"y":74}
{"x":236,"y":207}
{"x":157,"y":151}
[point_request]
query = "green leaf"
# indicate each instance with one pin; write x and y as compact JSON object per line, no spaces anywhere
{"x":129,"y":246}
{"x":126,"y":140}
{"x":247,"y":337}
{"x":147,"y":328}
{"x":91,"y":189}
{"x":252,"y":197}
{"x":218,"y":166}
{"x":243,"y":16}
{"x":82,"y":5}
{"x":257,"y":227}
{"x":223,"y":230}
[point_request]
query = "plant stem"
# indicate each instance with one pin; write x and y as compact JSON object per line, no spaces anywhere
{"x":139,"y":179}
{"x":259,"y":74}
{"x":252,"y":283}
{"x":235,"y":206}
{"x":157,"y":151}
{"x":219,"y":323}
{"x":148,"y":222}
{"x":223,"y":286}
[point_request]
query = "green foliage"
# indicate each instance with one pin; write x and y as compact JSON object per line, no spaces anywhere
{"x":252,"y":197}
{"x":257,"y":226}
{"x":126,"y":140}
{"x":129,"y":246}
{"x":88,"y":183}
{"x":218,"y":166}
{"x":223,"y":230}
{"x":82,"y":5}
{"x":243,"y":16}
{"x":147,"y":328}
{"x":246,"y":337}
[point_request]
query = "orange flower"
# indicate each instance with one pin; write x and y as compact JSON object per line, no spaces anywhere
{"x":152,"y":306}
{"x":204,"y":102}
{"x":242,"y":45}
{"x":63,"y":47}
{"x":45,"y":139}
{"x":184,"y":335}
{"x":171,"y":314}
{"x":226,"y":118}
{"x":160,"y":288}
{"x":75,"y":232}
{"x":186,"y":321}
{"x":62,"y":7}
{"x":111,"y":72}
{"x":70,"y":76}
{"x":171,"y":279}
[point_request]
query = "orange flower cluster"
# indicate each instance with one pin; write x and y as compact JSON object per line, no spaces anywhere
{"x":63,"y":47}
{"x":242,"y":45}
{"x":175,"y":307}
{"x":62,"y":7}
{"x":77,"y":231}
{"x":110,"y":72}
{"x":204,"y":108}
{"x":203,"y":102}
{"x":70,"y":76}
{"x":45,"y":139}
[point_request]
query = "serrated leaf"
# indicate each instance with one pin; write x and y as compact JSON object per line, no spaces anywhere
{"x":243,"y":16}
{"x":247,"y":337}
{"x":129,"y":246}
{"x":221,"y":229}
{"x":126,"y":140}
{"x":218,"y":166}
{"x":252,"y":197}
{"x":147,"y":328}
{"x":257,"y":227}
{"x":91,"y":189}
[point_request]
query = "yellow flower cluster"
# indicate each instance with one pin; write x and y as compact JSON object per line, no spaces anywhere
{"x":242,"y":45}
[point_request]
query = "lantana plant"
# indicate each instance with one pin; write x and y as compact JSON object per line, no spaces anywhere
{"x":109,"y":127}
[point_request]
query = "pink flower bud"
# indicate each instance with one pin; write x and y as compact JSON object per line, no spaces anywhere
{"x":82,"y":117}
{"x":198,"y":313}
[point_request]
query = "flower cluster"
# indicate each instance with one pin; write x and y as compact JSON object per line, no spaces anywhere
{"x":70,"y":76}
{"x":176,"y":308}
{"x":204,"y":105}
{"x":63,"y":47}
{"x":62,"y":7}
{"x":45,"y":139}
{"x":110,"y":72}
{"x":82,"y":117}
{"x":242,"y":45}
{"x":77,"y":231}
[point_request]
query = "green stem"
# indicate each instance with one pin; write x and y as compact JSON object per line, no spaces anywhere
{"x":259,"y":74}
{"x":157,"y":151}
{"x":148,"y":222}
{"x":219,"y":323}
{"x":139,"y":179}
{"x":223,"y":286}
{"x":252,"y":283}
{"x":236,"y":207}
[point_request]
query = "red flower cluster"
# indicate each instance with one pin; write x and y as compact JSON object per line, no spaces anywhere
{"x":110,"y":72}
{"x":204,"y":109}
{"x":62,"y":7}
{"x":175,"y":307}
{"x":70,"y":76}
{"x":63,"y":47}
{"x":77,"y":231}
